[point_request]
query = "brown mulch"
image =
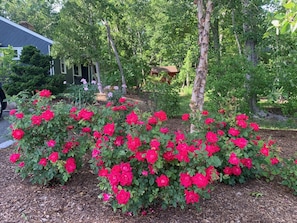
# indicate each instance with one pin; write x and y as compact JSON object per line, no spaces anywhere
{"x":77,"y":201}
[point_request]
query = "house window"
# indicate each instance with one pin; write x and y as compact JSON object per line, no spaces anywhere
{"x":63,"y":66}
{"x":77,"y":70}
{"x":17,"y":51}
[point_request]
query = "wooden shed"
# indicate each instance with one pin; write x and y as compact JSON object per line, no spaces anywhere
{"x":171,"y":71}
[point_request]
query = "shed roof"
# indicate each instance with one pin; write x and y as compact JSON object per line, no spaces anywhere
{"x":167,"y":69}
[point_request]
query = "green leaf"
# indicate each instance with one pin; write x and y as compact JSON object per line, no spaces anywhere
{"x":214,"y":161}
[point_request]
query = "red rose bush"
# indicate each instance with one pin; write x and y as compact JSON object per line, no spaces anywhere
{"x":138,"y":160}
{"x":50,"y":143}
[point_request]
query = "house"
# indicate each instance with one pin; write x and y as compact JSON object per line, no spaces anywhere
{"x":23,"y":34}
{"x":171,"y":71}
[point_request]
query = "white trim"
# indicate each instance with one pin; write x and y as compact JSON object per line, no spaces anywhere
{"x":26,"y":30}
{"x":79,"y":70}
{"x":63,"y":66}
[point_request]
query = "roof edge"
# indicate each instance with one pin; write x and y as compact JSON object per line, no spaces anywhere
{"x":26,"y":30}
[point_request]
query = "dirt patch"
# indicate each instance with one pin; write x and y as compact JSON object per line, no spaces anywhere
{"x":255,"y":201}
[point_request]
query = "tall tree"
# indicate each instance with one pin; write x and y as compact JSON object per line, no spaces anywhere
{"x":204,"y":10}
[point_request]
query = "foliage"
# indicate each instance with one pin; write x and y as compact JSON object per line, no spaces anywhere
{"x":139,"y":161}
{"x":50,"y":144}
{"x":288,"y":174}
{"x":81,"y":95}
{"x":140,"y":164}
{"x":163,"y":96}
{"x":233,"y":140}
{"x":6,"y":63}
{"x":31,"y":73}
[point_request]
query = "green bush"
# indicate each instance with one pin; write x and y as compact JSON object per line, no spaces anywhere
{"x":162,"y":96}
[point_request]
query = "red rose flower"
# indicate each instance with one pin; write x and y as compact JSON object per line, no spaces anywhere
{"x":200,"y":180}
{"x":185,"y":180}
{"x":152,"y":121}
{"x":12,"y":112}
{"x":162,"y":181}
{"x":42,"y":162}
{"x":151,"y":156}
{"x":242,"y":123}
{"x":126,"y":178}
{"x":228,"y":170}
{"x":161,"y":115}
{"x":122,"y":100}
{"x":204,"y":113}
{"x":191,"y":197}
{"x":108,"y":129}
{"x":242,"y":117}
{"x":236,"y":170}
{"x":233,"y":159}
{"x":247,"y":162}
{"x":233,"y":132}
{"x":211,"y":137}
{"x":132,"y":118}
{"x":211,"y":149}
{"x":164,"y":130}
{"x":54,"y":156}
{"x":17,"y":134}
{"x":185,"y":117}
{"x":14,"y":157}
{"x":85,"y":114}
{"x":155,"y":144}
{"x":19,"y":115}
{"x":119,"y":141}
{"x":123,"y":197}
{"x":274,"y":161}
{"x":86,"y":129}
{"x":103,"y":172}
{"x":51,"y":143}
{"x":133,"y":143}
{"x":45,"y":93}
{"x":254,"y":126}
{"x":168,"y":156}
{"x":265,"y":151}
{"x":70,"y":165}
{"x":208,"y":121}
{"x":36,"y":120}
{"x":240,"y":142}
{"x":47,"y":115}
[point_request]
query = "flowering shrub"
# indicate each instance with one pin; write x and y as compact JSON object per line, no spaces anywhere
{"x":140,"y":163}
{"x":50,"y":143}
{"x":234,"y":143}
{"x":113,"y":93}
{"x":138,"y":160}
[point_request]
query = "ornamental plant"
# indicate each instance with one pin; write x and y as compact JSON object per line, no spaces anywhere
{"x":140,"y":163}
{"x":288,"y":173}
{"x":51,"y":139}
{"x":233,"y":141}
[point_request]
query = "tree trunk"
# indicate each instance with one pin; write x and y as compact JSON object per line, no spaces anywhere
{"x":204,"y":15}
{"x":124,"y":86}
{"x":250,"y":51}
{"x":98,"y":77}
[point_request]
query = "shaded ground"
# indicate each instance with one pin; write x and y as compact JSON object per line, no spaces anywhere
{"x":78,"y":202}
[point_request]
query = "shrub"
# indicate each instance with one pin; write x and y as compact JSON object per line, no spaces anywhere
{"x":141,"y":164}
{"x":234,"y":141}
{"x":50,"y":144}
{"x":163,"y":96}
